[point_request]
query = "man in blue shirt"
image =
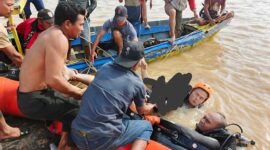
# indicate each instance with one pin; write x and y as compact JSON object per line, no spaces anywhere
{"x":101,"y":122}
{"x":122,"y":31}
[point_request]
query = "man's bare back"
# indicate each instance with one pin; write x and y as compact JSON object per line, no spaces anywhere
{"x":44,"y":64}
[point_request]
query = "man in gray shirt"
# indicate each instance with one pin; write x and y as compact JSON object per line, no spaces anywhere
{"x":122,"y":31}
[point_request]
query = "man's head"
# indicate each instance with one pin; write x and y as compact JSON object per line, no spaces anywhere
{"x":6,"y":7}
{"x":120,"y":15}
{"x":70,"y":17}
{"x":210,"y":121}
{"x":45,"y":18}
{"x":199,"y":94}
{"x":132,"y":54}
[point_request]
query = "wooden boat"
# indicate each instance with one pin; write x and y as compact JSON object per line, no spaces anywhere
{"x":155,"y":41}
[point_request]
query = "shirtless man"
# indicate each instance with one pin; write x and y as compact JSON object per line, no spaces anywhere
{"x":214,"y":12}
{"x":44,"y":76}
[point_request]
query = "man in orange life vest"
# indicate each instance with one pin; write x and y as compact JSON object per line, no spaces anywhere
{"x":30,"y":29}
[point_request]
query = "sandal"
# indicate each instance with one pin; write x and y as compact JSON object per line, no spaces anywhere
{"x":23,"y":132}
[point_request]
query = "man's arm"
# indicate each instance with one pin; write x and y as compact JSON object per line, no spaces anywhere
{"x":192,"y":6}
{"x":146,"y":109}
{"x":95,"y":44}
{"x":223,"y":6}
{"x":8,"y":48}
{"x":84,"y":78}
{"x":135,"y":39}
{"x":206,"y":8}
{"x":142,"y":107}
{"x":13,"y":55}
{"x":54,"y":66}
{"x":144,"y":72}
{"x":72,"y":74}
{"x":69,"y":73}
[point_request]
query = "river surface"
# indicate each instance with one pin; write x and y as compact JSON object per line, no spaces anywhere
{"x":236,"y":63}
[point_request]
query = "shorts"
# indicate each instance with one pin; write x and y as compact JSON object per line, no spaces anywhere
{"x":134,"y":15}
{"x":50,"y":105}
{"x":134,"y":129}
{"x":178,"y":26}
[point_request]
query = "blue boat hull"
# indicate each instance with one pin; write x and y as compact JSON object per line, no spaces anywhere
{"x":159,"y":30}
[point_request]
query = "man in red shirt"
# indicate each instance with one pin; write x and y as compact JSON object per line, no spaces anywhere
{"x":30,"y":29}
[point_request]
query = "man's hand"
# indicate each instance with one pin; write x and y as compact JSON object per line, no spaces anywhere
{"x":10,"y":27}
{"x":212,"y":22}
{"x":86,"y":15}
{"x":17,"y":59}
{"x":196,"y":16}
{"x":73,"y":74}
{"x":143,"y":64}
{"x":92,"y":57}
{"x":13,"y":55}
{"x":80,"y":93}
{"x":152,"y":119}
{"x":149,"y":108}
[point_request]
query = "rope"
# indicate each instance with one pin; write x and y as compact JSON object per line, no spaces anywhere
{"x":89,"y":64}
{"x":99,"y":48}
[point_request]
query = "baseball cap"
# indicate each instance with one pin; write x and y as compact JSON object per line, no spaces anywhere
{"x":131,"y":54}
{"x":120,"y":13}
{"x":46,"y":15}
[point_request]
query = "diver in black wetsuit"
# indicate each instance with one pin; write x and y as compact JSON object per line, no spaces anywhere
{"x":210,"y":134}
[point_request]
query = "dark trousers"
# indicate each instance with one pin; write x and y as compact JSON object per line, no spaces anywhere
{"x":48,"y":105}
{"x":38,"y":5}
